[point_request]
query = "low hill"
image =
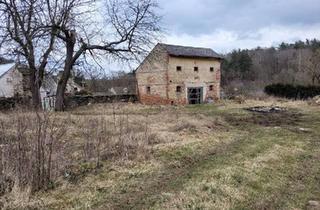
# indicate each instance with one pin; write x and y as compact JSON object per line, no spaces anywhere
{"x":251,"y":70}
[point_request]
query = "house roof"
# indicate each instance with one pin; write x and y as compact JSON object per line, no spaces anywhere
{"x":5,"y":67}
{"x":185,"y":51}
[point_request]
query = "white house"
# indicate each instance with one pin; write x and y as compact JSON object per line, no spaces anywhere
{"x":10,"y":80}
{"x":14,"y":82}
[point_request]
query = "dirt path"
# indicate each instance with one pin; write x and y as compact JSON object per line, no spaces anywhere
{"x":172,"y":178}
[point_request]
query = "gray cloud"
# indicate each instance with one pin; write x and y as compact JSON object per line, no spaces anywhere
{"x":246,"y":19}
{"x":202,"y":16}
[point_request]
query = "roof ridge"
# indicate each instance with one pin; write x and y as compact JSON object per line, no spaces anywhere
{"x":189,"y":51}
{"x":173,"y":45}
{"x":4,"y":68}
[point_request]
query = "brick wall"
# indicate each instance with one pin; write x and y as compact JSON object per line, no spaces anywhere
{"x":159,"y":73}
{"x":158,"y":100}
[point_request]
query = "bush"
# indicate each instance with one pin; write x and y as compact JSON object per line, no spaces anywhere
{"x":33,"y":158}
{"x":292,"y":91}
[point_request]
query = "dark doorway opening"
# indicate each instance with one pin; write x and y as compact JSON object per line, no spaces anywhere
{"x":195,"y":95}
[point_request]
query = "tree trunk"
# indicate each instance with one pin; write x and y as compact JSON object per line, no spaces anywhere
{"x":62,"y":84}
{"x":59,"y":106}
{"x":313,"y":80}
{"x":35,"y":91}
{"x":36,"y":101}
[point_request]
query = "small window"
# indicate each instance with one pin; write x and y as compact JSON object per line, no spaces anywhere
{"x":211,"y":87}
{"x":179,"y":89}
{"x":179,"y":68}
{"x":148,"y":89}
{"x":211,"y":69}
{"x":196,"y":69}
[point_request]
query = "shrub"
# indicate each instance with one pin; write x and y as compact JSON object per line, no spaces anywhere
{"x":31,"y":158}
{"x":36,"y":148}
{"x":292,"y":91}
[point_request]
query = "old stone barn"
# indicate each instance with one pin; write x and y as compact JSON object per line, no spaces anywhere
{"x":179,"y":75}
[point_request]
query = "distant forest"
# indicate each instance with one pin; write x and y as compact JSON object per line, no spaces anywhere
{"x":249,"y":71}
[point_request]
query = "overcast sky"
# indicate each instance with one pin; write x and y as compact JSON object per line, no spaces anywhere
{"x":228,"y":24}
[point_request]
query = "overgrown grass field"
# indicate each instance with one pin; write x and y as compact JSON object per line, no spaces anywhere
{"x":195,"y":157}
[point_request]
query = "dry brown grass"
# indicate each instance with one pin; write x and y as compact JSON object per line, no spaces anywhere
{"x":117,"y":153}
{"x":44,"y":147}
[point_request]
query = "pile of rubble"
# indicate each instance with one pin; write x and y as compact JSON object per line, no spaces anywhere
{"x":267,"y":109}
{"x":316,"y":100}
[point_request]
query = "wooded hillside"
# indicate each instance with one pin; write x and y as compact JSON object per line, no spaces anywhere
{"x":249,"y":71}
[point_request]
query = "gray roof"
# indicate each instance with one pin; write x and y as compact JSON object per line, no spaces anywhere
{"x":184,"y":51}
{"x":4,"y":68}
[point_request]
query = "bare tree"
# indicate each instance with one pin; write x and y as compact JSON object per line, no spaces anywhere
{"x":312,"y":66}
{"x":130,"y":27}
{"x":24,"y":30}
{"x":34,"y":29}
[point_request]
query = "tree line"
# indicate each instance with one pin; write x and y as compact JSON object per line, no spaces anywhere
{"x":296,"y":63}
{"x":313,"y":44}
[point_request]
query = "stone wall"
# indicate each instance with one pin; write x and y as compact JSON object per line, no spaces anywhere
{"x":76,"y":101}
{"x":14,"y":102}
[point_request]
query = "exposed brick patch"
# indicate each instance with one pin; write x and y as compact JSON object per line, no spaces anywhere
{"x":158,"y":100}
{"x":215,"y":93}
{"x":218,"y":75}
